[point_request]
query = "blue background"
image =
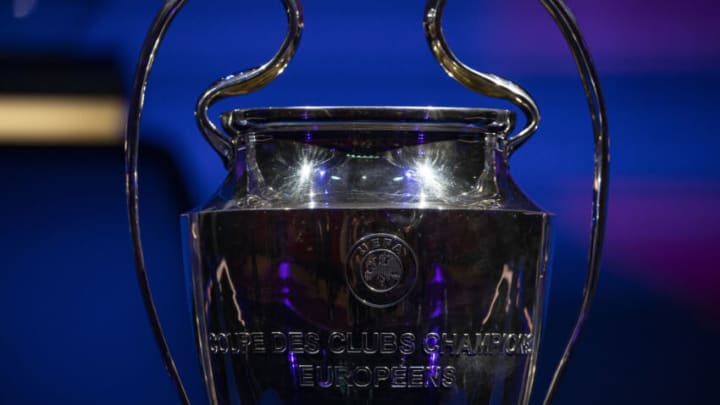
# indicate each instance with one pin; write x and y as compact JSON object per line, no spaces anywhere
{"x":74,"y":330}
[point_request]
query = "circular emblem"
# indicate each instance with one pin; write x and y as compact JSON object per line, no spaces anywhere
{"x":381,"y":269}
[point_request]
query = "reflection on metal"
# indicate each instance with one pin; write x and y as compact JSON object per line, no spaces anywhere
{"x":428,"y":172}
{"x":223,"y":270}
{"x":61,"y":120}
{"x":447,"y":159}
{"x":505,"y":280}
{"x":528,"y":319}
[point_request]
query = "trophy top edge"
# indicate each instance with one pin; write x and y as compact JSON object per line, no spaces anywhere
{"x":496,"y":121}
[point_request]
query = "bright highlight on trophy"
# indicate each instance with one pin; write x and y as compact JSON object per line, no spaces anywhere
{"x":369,"y":254}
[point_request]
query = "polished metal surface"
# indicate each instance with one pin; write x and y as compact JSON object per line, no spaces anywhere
{"x":367,"y":255}
{"x":280,"y":320}
{"x":368,"y":157}
{"x":382,"y":228}
{"x":399,"y":167}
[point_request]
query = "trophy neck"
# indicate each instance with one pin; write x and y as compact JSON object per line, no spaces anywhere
{"x":369,"y":157}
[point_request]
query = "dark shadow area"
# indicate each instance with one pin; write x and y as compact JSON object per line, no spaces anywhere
{"x":75,"y":329}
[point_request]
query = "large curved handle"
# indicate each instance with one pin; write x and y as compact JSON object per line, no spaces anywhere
{"x":246,"y":82}
{"x":484,"y":83}
{"x":494,"y":86}
{"x":601,"y":172}
{"x":241,"y":83}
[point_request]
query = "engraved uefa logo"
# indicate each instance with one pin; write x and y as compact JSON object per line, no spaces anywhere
{"x":381,"y":270}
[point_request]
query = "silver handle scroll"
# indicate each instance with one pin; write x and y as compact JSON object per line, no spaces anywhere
{"x":483,"y":83}
{"x":494,"y":86}
{"x":246,"y":82}
{"x":240,"y":83}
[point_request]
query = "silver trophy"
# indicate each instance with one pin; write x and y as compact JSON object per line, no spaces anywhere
{"x":369,"y":254}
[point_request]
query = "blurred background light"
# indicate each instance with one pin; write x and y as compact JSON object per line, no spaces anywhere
{"x":58,"y":120}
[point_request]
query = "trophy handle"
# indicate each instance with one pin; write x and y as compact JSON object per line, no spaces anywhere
{"x":484,"y":83}
{"x":247,"y":81}
{"x":241,"y":83}
{"x":494,"y":86}
{"x":565,"y":21}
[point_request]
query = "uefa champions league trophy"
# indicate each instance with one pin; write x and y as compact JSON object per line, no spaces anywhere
{"x":369,"y":254}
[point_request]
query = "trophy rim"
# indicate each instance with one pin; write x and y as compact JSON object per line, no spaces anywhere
{"x":419,"y":118}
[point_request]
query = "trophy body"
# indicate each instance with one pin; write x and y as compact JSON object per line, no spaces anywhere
{"x":407,"y":266}
{"x":369,"y":254}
